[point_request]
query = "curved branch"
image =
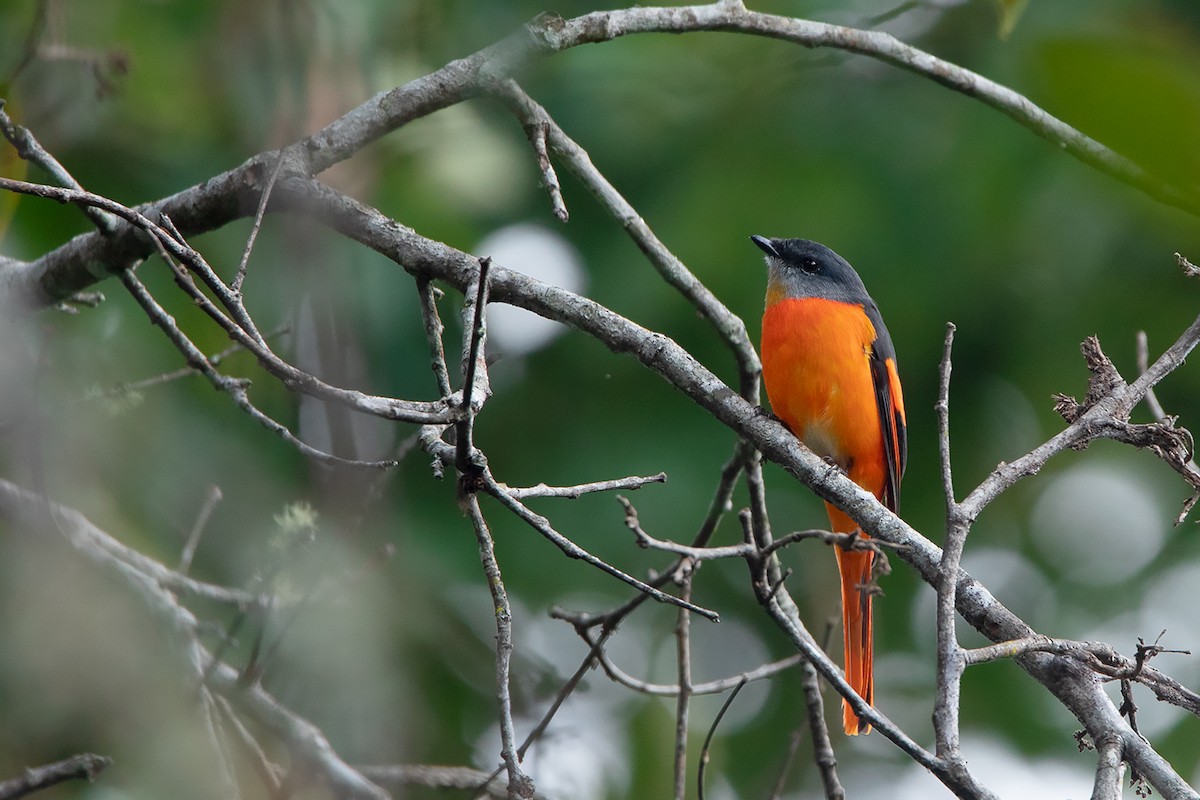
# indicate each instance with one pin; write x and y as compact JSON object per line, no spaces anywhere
{"x":234,"y":194}
{"x":1072,"y":684}
{"x":20,"y":508}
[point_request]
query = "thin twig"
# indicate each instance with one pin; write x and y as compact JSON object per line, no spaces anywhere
{"x":475,"y":333}
{"x":1101,"y":659}
{"x":693,"y":553}
{"x":289,"y":616}
{"x":240,"y":276}
{"x":211,"y":497}
{"x":30,"y":149}
{"x":519,"y":784}
{"x":1106,"y":417}
{"x":618,"y":675}
{"x":232,"y":302}
{"x":608,"y":622}
{"x":950,"y":663}
{"x":942,"y":407}
{"x":304,"y":740}
{"x":767,"y":578}
{"x":433,"y":333}
{"x":233,"y":387}
{"x":543,"y":526}
{"x":823,"y":753}
{"x":719,"y":506}
{"x":683,"y":700}
{"x":474,"y":369}
{"x":631,"y":483}
{"x":780,"y":606}
{"x":29,"y":49}
{"x":86,"y":766}
{"x":433,"y":776}
{"x":215,"y":360}
{"x":789,"y":758}
{"x":1159,"y":413}
{"x":536,"y":131}
{"x":673,"y":270}
{"x":295,"y":379}
{"x":225,"y":779}
{"x":712,"y":731}
{"x":270,"y":774}
{"x":565,"y":691}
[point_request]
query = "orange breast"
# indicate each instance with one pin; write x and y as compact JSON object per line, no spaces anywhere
{"x":818,"y":378}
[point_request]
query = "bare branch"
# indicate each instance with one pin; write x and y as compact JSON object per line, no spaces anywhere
{"x":1108,"y":768}
{"x":690,"y":553}
{"x":1105,"y":416}
{"x":431,"y":259}
{"x":235,"y":388}
{"x":240,"y":276}
{"x":433,"y":333}
{"x":632,"y":483}
{"x":30,"y":149}
{"x":474,"y":368}
{"x":793,"y":748}
{"x":623,"y":678}
{"x":950,"y":664}
{"x":133,"y":387}
{"x":435,"y":777}
{"x":543,"y":526}
{"x":307,"y":744}
{"x":558,"y":34}
{"x":1101,"y":659}
{"x":536,"y":130}
{"x":728,"y":325}
{"x":84,"y":766}
{"x":1104,"y":412}
{"x":519,"y":784}
{"x":683,"y":698}
{"x":943,"y":417}
{"x":211,"y":497}
{"x":1160,"y":415}
{"x":704,"y":751}
{"x":270,"y":774}
{"x":1189,"y":269}
{"x":823,"y":753}
{"x":214,"y":202}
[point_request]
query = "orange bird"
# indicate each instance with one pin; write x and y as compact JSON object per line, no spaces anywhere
{"x":830,"y":372}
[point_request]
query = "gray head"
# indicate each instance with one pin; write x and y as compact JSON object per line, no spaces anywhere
{"x":799,"y":268}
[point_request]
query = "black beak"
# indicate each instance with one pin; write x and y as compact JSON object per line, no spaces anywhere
{"x":765,"y":244}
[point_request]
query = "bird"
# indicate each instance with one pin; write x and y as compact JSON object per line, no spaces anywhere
{"x":830,"y":372}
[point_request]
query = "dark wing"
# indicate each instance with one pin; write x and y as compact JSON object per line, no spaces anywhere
{"x":890,"y":403}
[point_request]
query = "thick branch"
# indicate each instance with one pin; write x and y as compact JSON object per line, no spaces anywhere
{"x":89,"y":258}
{"x":429,"y":259}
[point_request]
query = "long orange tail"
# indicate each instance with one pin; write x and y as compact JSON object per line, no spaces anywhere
{"x":857,"y":629}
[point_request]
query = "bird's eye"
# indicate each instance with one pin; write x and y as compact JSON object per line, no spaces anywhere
{"x":808,"y":264}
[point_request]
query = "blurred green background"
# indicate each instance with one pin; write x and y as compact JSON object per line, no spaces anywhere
{"x":950,"y":211}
